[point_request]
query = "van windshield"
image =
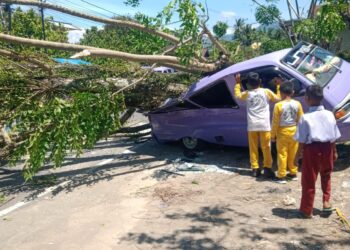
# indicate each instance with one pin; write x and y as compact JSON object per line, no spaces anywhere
{"x":317,"y":64}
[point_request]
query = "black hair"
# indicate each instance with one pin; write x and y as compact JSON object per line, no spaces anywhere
{"x":253,"y":79}
{"x":287,"y":88}
{"x":315,"y":92}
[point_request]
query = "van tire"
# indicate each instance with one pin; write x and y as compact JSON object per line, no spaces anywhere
{"x":191,"y":143}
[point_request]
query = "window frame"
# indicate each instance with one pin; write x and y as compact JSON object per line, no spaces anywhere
{"x":222,"y":80}
{"x":280,"y":71}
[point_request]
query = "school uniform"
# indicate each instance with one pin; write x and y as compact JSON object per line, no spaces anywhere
{"x":258,"y":119}
{"x":286,"y":115}
{"x":318,"y":130}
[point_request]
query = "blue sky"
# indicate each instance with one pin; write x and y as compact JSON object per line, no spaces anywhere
{"x":219,"y":10}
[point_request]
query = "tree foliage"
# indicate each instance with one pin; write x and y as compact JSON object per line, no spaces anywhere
{"x":28,"y":24}
{"x":220,"y":29}
{"x":124,"y":39}
{"x":324,"y":28}
{"x":267,"y":15}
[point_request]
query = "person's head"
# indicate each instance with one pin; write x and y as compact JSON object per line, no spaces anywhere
{"x":253,"y":80}
{"x":287,"y":89}
{"x":314,"y":95}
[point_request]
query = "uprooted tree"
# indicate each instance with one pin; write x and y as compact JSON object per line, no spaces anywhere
{"x":49,"y":111}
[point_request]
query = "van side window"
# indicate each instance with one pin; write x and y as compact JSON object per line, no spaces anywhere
{"x":269,"y":75}
{"x":217,"y":96}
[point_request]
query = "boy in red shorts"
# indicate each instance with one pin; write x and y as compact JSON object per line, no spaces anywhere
{"x":316,"y":133}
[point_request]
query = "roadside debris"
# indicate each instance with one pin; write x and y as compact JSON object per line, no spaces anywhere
{"x":171,"y":172}
{"x":342,"y":217}
{"x":289,"y":201}
{"x":346,"y":184}
{"x":189,"y":167}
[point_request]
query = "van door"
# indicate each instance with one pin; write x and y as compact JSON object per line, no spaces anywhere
{"x":224,"y":121}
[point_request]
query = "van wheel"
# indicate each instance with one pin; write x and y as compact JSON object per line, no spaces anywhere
{"x":191,"y":143}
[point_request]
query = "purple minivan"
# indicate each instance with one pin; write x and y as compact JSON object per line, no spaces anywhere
{"x":209,"y":112}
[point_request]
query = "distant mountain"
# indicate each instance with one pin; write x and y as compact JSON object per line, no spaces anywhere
{"x":227,"y":37}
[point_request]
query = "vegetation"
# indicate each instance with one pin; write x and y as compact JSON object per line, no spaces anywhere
{"x":220,"y":29}
{"x":28,"y":24}
{"x":331,"y":18}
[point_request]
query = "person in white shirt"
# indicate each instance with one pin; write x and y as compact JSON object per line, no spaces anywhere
{"x":258,"y":115}
{"x":316,"y":133}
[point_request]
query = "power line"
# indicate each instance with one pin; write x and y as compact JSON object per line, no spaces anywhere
{"x":100,"y":7}
{"x":69,"y":19}
{"x":94,"y":11}
{"x":74,"y":6}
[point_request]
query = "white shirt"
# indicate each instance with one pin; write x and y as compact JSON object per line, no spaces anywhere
{"x":317,"y":125}
{"x":289,"y":114}
{"x":258,"y":110}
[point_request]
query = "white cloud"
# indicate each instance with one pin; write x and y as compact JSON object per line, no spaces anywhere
{"x":227,"y":15}
{"x":74,"y":36}
{"x":255,"y":25}
{"x":230,"y":31}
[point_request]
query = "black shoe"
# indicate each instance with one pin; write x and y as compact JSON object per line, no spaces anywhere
{"x":256,"y":172}
{"x":292,"y":177}
{"x":269,"y":174}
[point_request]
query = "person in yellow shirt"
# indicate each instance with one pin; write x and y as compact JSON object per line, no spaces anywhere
{"x":286,"y":116}
{"x":258,"y":118}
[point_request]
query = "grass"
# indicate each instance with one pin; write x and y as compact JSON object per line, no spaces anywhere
{"x":2,"y":198}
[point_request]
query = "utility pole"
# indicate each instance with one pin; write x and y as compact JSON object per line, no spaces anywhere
{"x":43,"y":35}
{"x":9,"y":13}
{"x":312,"y":8}
{"x":290,"y":14}
{"x":2,"y":13}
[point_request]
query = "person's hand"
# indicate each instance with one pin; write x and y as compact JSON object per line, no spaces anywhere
{"x":278,"y":81}
{"x":238,"y":78}
{"x":335,"y":156}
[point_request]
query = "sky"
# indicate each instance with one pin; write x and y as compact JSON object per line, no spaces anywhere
{"x":219,"y":10}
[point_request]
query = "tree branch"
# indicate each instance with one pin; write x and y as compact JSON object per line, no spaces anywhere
{"x":194,"y":66}
{"x":120,"y":23}
{"x":215,"y":41}
{"x":10,"y":54}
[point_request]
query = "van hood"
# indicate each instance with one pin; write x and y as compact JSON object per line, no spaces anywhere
{"x":339,"y":87}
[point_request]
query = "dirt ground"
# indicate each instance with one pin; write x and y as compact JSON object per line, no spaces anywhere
{"x":117,"y":197}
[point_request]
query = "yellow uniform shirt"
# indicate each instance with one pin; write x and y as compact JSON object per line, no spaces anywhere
{"x":286,"y":116}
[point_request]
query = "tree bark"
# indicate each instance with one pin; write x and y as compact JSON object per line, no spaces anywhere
{"x":194,"y":66}
{"x":120,"y":23}
{"x":215,"y":41}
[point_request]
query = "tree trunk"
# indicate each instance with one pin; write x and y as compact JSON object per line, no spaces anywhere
{"x":120,"y":23}
{"x":172,"y":61}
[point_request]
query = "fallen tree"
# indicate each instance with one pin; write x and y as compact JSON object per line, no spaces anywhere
{"x":50,"y":111}
{"x":85,"y":51}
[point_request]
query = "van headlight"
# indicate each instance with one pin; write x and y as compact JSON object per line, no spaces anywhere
{"x":343,"y":111}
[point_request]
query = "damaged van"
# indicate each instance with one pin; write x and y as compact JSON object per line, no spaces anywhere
{"x":209,"y":112}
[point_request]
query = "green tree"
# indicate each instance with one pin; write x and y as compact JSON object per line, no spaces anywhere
{"x":267,"y":14}
{"x":244,"y":32}
{"x":28,"y":24}
{"x":124,"y":39}
{"x":53,"y":111}
{"x":220,"y":29}
{"x":325,"y":26}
